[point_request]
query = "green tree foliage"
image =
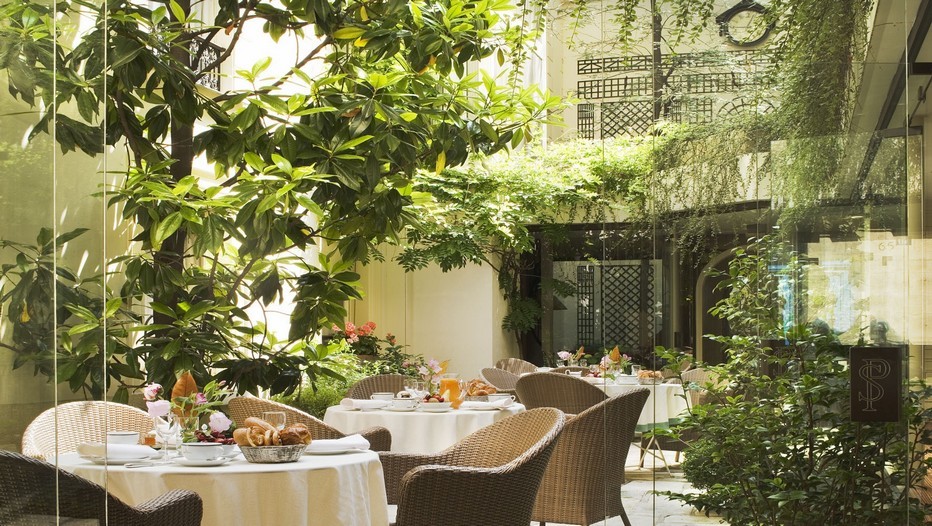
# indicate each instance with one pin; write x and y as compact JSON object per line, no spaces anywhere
{"x":301,"y":160}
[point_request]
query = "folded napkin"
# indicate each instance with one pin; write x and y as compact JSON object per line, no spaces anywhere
{"x":339,"y":444}
{"x":497,"y":404}
{"x":115,"y":451}
{"x":351,"y":403}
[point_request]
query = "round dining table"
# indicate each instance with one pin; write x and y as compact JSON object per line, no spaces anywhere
{"x":665,"y":406}
{"x":345,"y":489}
{"x":418,"y":431}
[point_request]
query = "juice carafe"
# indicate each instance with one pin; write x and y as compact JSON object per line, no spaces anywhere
{"x":450,"y":390}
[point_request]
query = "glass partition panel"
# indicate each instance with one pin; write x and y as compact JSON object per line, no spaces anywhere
{"x":778,"y":226}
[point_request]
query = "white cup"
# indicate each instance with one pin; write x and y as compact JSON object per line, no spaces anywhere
{"x":382,"y":396}
{"x":404,"y":403}
{"x":123,"y":437}
{"x":205,"y":451}
{"x":574,"y":373}
{"x":495,"y":397}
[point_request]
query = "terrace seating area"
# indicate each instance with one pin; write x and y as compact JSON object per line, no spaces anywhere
{"x":454,"y":263}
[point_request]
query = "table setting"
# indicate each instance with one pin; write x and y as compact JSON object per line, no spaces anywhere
{"x":427,"y":416}
{"x":315,"y":482}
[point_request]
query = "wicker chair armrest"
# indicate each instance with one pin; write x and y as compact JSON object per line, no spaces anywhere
{"x":174,"y":508}
{"x":380,"y":439}
{"x":396,"y":465}
{"x":437,"y":494}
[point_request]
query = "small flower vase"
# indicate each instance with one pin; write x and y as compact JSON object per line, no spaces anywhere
{"x":188,"y":424}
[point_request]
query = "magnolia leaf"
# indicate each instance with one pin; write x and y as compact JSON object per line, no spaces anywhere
{"x":185,"y":387}
{"x":348,"y":33}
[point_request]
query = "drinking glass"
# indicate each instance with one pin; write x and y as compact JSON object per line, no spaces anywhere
{"x":276,"y":418}
{"x":167,"y":428}
{"x":417,"y":388}
{"x":593,"y":370}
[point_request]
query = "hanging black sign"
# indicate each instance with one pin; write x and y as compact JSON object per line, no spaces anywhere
{"x":876,"y":384}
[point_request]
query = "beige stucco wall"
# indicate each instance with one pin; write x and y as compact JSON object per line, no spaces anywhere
{"x":41,"y":187}
{"x":454,"y":315}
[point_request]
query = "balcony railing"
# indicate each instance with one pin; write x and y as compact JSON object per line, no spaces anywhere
{"x":211,"y":53}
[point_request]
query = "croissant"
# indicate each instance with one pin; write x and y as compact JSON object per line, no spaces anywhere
{"x":295,"y":434}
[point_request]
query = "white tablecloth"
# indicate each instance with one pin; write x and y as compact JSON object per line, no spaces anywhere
{"x":322,"y":490}
{"x":665,"y":406}
{"x":418,"y":432}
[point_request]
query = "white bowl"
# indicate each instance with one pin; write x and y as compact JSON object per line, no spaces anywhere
{"x":201,"y":450}
{"x":403,"y":403}
{"x":382,"y":396}
{"x":123,"y":437}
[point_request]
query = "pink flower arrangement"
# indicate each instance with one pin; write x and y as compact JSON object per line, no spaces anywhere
{"x":431,"y":371}
{"x":201,"y":403}
{"x":361,"y":339}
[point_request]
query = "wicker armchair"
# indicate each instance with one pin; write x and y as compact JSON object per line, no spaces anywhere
{"x":570,"y":368}
{"x":241,"y":407}
{"x":582,"y":484}
{"x":79,"y":422}
{"x":380,"y":383}
{"x":516,"y":366}
{"x":489,"y":477}
{"x":695,"y":384}
{"x":33,"y":491}
{"x":503,"y":380}
{"x":566,"y":393}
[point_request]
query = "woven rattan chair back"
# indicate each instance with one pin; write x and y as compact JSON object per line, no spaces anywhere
{"x":34,"y":492}
{"x":500,"y":378}
{"x":696,"y":382}
{"x":79,"y":422}
{"x":562,"y":391}
{"x":490,"y":477}
{"x":380,"y":383}
{"x":516,"y":366}
{"x":570,"y":368}
{"x":242,"y":407}
{"x":590,"y":458}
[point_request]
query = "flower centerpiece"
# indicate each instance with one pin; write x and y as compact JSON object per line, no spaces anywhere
{"x":575,"y":358}
{"x":431,"y":371}
{"x":196,"y":411}
{"x":614,"y":362}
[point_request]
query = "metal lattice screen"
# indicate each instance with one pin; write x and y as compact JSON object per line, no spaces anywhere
{"x":627,"y":301}
{"x":585,"y":304}
{"x":622,"y":296}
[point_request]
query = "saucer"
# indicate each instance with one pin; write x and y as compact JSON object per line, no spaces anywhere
{"x":201,"y":463}
{"x":118,"y":461}
{"x":330,"y":451}
{"x":399,"y":409}
{"x":428,"y":409}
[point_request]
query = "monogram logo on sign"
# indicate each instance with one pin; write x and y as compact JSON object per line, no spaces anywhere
{"x":871,"y":371}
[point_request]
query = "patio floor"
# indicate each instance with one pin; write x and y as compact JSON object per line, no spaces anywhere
{"x":646,"y":509}
{"x":643,"y":507}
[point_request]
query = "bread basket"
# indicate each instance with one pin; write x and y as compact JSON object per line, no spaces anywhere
{"x":273,"y":454}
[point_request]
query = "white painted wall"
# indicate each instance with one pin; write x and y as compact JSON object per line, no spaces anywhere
{"x":454,"y":315}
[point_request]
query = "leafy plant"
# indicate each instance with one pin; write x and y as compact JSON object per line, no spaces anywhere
{"x":776,"y":444}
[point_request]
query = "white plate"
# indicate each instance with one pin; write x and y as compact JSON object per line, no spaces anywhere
{"x":117,"y":461}
{"x":399,"y":409}
{"x":330,"y":451}
{"x":482,"y":408}
{"x":428,"y":409}
{"x":201,"y":463}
